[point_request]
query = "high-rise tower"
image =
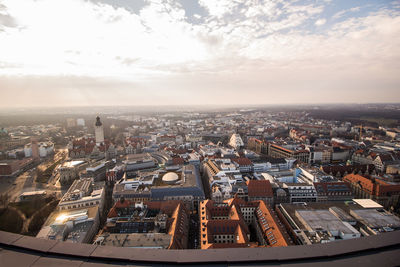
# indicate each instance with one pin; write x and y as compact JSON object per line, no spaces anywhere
{"x":99,"y":131}
{"x":35,"y":148}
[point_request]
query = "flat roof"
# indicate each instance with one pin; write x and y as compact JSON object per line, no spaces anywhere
{"x":368,"y":203}
{"x":73,"y":163}
{"x":376,"y":219}
{"x":136,"y":240}
{"x":33,"y":193}
{"x":324,"y":220}
{"x":292,"y":208}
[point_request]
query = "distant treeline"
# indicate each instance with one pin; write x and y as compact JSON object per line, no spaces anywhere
{"x":375,"y":118}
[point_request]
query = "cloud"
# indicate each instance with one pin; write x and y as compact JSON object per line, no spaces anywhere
{"x":320,"y":22}
{"x":5,"y":19}
{"x":235,"y":51}
{"x":343,"y":12}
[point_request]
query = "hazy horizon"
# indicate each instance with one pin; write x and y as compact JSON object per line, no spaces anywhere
{"x":203,"y":105}
{"x":198,"y":52}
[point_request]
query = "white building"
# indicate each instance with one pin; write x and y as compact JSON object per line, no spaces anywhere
{"x":236,"y":141}
{"x":82,"y":194}
{"x":99,"y":131}
{"x":46,"y":149}
{"x":28,"y":150}
{"x":301,"y":192}
{"x":80,"y":122}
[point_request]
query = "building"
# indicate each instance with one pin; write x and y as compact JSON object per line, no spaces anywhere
{"x":9,"y":142}
{"x":373,"y":187}
{"x":14,"y":167}
{"x":314,"y":223}
{"x":80,"y":122}
{"x":97,"y":170}
{"x":69,"y":171}
{"x":32,"y":195}
{"x":340,"y":171}
{"x":236,"y":142}
{"x":222,"y":225}
{"x":320,"y":154}
{"x":83,"y":193}
{"x":257,"y":145}
{"x":260,"y":190}
{"x":375,"y":221}
{"x":243,"y":164}
{"x":46,"y":149}
{"x":226,"y":225}
{"x":28,"y":150}
{"x":184,"y":185}
{"x":72,"y":226}
{"x":333,"y":191}
{"x":268,"y":164}
{"x":137,"y":162}
{"x":297,"y":152}
{"x":162,"y":225}
{"x":269,"y":232}
{"x":87,"y":148}
{"x":99,"y":131}
{"x":301,"y":192}
{"x":326,"y":226}
{"x":35,"y":149}
{"x":71,"y":122}
{"x":330,"y":221}
{"x":383,"y":160}
{"x":222,"y":172}
{"x":77,"y":217}
{"x":42,"y":150}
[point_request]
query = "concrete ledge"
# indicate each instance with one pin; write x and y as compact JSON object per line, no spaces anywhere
{"x":383,"y":243}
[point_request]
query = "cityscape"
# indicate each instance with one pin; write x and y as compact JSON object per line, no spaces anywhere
{"x":238,"y":178}
{"x":199,"y":132}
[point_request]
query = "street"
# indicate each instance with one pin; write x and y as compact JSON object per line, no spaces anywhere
{"x":25,"y":182}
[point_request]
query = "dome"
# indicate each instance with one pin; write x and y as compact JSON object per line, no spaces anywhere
{"x":170,"y":177}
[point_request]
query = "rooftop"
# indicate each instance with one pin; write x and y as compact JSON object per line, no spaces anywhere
{"x":323,"y":220}
{"x":368,"y":203}
{"x":259,"y":188}
{"x":376,"y":219}
{"x":149,"y":240}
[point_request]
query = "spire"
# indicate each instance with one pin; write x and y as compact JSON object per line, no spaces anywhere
{"x":98,"y":122}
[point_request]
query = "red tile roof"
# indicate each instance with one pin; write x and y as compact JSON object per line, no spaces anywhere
{"x":243,"y":161}
{"x":259,"y":188}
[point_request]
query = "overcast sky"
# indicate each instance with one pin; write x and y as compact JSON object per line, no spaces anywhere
{"x":145,"y":52}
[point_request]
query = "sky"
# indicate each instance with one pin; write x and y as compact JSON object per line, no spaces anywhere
{"x":198,"y":52}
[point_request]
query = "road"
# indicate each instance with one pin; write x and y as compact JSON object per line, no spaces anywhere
{"x":26,"y":181}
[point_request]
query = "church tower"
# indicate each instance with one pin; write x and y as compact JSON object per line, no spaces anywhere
{"x":99,"y":131}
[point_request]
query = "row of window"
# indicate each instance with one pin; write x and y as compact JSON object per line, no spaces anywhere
{"x":87,"y":204}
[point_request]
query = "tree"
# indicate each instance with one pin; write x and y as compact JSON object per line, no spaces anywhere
{"x":4,"y":200}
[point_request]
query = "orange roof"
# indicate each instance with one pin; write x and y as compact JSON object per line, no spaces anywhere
{"x":269,"y":227}
{"x":364,"y":182}
{"x":179,"y":228}
{"x":377,"y":188}
{"x":230,"y":221}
